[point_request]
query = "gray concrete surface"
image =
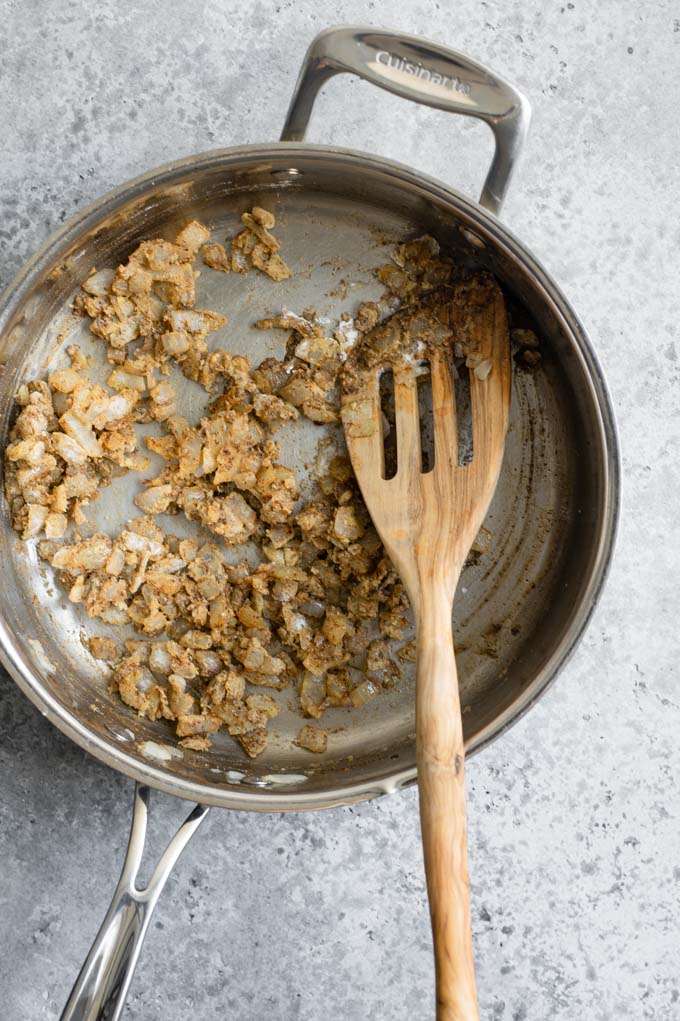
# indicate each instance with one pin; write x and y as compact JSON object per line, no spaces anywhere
{"x":575,"y":814}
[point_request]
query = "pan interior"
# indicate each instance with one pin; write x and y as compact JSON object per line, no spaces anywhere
{"x":515,"y":599}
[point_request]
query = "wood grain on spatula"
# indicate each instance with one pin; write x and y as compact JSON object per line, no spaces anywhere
{"x":428,"y":522}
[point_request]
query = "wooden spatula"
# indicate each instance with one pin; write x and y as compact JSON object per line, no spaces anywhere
{"x":428,"y":522}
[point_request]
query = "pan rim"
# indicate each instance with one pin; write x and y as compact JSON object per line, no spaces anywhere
{"x":258,"y":798}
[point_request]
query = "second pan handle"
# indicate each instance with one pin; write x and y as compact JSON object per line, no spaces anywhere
{"x":100,"y":989}
{"x":424,"y":72}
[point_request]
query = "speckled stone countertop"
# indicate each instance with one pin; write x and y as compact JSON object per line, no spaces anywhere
{"x":575,"y":814}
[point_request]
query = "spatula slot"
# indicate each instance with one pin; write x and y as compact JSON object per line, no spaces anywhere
{"x":389,"y":431}
{"x":461,"y":389}
{"x":425,"y":415}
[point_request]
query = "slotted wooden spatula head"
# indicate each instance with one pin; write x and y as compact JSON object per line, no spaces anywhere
{"x":428,"y":520}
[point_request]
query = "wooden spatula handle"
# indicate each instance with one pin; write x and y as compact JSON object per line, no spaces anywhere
{"x":441,"y":783}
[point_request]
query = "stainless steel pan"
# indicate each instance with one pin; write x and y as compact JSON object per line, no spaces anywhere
{"x":521,"y":609}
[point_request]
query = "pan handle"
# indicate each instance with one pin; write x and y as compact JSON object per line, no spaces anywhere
{"x":426,"y":73}
{"x":100,"y":989}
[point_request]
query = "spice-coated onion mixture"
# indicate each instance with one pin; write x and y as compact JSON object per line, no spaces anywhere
{"x":322,"y":611}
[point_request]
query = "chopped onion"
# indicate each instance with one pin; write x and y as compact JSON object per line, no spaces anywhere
{"x":159,"y":660}
{"x":363,"y":693}
{"x":482,"y":370}
{"x":98,"y":283}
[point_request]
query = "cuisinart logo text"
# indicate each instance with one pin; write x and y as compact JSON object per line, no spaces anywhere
{"x":418,"y":71}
